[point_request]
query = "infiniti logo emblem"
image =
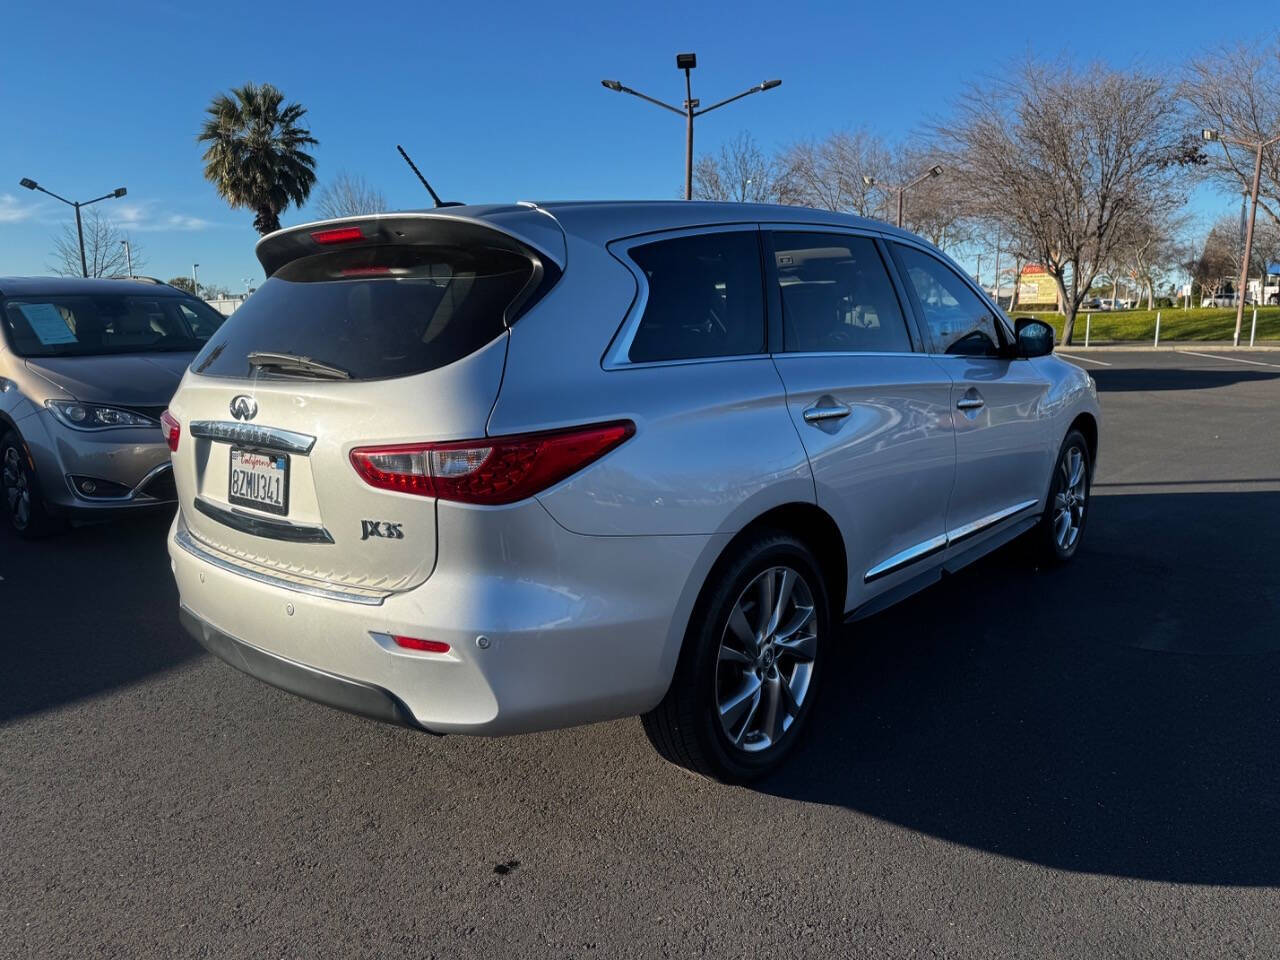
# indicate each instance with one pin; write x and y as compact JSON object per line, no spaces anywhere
{"x":244,"y":407}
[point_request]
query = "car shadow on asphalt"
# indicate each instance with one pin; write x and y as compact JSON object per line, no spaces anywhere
{"x":72,"y":626}
{"x":1115,"y":716}
{"x":1123,"y":379}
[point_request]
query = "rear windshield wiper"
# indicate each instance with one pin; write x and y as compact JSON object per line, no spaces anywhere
{"x":299,"y":366}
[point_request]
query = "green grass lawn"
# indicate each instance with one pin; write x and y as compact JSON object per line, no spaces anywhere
{"x":1212,"y":323}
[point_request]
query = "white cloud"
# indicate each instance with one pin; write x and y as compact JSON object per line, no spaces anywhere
{"x":143,"y":217}
{"x":13,"y":210}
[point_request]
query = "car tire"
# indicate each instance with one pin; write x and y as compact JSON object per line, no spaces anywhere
{"x":1058,"y":536}
{"x":20,"y":498}
{"x":736,"y":707}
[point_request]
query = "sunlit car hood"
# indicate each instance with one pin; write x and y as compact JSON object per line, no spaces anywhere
{"x":149,"y":379}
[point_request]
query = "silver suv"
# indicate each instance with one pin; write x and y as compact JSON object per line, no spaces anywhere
{"x":494,"y":469}
{"x":86,"y":370}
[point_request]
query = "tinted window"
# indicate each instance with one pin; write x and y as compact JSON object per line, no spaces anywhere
{"x":959,"y":321}
{"x":836,"y":295}
{"x":92,"y":325}
{"x":706,"y":298}
{"x":374,"y":312}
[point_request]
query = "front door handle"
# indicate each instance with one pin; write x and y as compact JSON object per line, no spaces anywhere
{"x":972,"y":400}
{"x":826,"y":409}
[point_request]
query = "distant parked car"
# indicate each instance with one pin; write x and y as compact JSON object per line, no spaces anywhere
{"x":1221,"y":300}
{"x":494,"y":469}
{"x":86,"y":369}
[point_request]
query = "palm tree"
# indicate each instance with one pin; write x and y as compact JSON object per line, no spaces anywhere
{"x":255,"y":156}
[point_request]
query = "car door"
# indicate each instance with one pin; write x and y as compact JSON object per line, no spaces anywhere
{"x":997,"y":399}
{"x":873,"y":411}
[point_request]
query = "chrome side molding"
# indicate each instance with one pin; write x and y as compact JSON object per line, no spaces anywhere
{"x":942,"y":541}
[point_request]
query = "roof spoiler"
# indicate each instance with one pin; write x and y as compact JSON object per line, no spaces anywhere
{"x":284,"y":246}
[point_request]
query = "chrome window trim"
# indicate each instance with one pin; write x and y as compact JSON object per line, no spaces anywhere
{"x":264,"y":438}
{"x":933,"y":545}
{"x":184,"y":539}
{"x":616,"y":356}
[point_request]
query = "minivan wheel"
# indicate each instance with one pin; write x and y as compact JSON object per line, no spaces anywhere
{"x":20,"y":493}
{"x":1061,"y":528}
{"x":750,"y":665}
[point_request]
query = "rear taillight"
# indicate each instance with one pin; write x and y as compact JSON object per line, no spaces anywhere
{"x":495,"y":470}
{"x":426,"y":646}
{"x":172,"y":430}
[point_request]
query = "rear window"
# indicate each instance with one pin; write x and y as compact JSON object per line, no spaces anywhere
{"x":374,"y":312}
{"x":93,"y":325}
{"x":706,"y":298}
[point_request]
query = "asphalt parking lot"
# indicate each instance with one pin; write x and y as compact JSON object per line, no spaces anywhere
{"x":1078,"y":762}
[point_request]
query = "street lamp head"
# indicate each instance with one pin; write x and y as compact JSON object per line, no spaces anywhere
{"x":770,"y":84}
{"x":1210,"y":135}
{"x":28,"y":183}
{"x":119,"y":192}
{"x":612,"y":85}
{"x":935,"y":170}
{"x":686,"y":61}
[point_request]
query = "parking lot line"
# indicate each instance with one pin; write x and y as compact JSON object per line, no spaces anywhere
{"x":1071,"y":356}
{"x":1218,"y":356}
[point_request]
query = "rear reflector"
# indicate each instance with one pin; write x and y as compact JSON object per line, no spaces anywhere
{"x":338,"y":235}
{"x":494,"y":470}
{"x":426,"y":646}
{"x":172,"y":430}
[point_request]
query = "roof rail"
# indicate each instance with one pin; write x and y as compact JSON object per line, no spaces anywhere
{"x":143,"y":280}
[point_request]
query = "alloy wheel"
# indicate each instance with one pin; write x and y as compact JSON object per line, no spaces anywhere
{"x":1070,"y":500}
{"x":16,"y":490}
{"x":764,"y":666}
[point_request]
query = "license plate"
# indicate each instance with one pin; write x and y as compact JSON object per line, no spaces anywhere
{"x":259,"y":480}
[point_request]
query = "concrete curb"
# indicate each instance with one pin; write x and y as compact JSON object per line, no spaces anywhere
{"x":1173,"y":347}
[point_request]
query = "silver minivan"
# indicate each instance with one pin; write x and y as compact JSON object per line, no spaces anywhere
{"x":87,"y":367}
{"x":493,"y":469}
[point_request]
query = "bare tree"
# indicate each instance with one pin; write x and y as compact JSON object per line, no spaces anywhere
{"x":740,"y":172}
{"x":1216,"y":260}
{"x":828,"y":174}
{"x":1236,"y":91}
{"x":349,"y":195}
{"x":104,"y":251}
{"x":1068,"y":160}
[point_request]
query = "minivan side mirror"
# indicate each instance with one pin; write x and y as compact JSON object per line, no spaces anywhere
{"x":1035,"y":337}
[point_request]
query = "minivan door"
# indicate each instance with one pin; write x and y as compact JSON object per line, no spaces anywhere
{"x":1003,"y":453}
{"x":872,"y":411}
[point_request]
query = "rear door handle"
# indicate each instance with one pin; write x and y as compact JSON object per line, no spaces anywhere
{"x":826,"y":410}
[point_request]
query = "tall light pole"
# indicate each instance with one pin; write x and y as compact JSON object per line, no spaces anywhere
{"x":195,"y":284}
{"x":128,"y":256}
{"x":934,"y":171}
{"x":687,"y":62}
{"x":1257,"y":146}
{"x":117,"y":192}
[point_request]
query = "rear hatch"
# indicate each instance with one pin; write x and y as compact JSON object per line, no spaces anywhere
{"x":390,"y":330}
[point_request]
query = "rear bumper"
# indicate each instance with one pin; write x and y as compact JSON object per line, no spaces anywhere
{"x":364,"y":699}
{"x":546,"y":628}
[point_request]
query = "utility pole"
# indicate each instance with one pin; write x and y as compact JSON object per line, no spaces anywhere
{"x":687,"y":62}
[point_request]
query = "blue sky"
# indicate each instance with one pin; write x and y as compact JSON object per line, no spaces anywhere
{"x":495,"y":101}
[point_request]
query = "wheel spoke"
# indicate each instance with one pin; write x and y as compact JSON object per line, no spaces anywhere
{"x":787,"y":582}
{"x":801,"y":649}
{"x":741,"y":628}
{"x":797,"y":622}
{"x":771,"y":726}
{"x":765,"y":610}
{"x":789,"y":701}
{"x":730,"y":655}
{"x":742,"y":703}
{"x":1077,"y":469}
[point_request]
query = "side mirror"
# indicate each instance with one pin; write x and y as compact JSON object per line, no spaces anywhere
{"x":1035,"y":337}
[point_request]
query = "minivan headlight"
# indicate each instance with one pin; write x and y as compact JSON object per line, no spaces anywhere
{"x":92,"y":416}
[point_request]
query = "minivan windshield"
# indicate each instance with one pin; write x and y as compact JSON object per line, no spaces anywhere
{"x":92,"y":325}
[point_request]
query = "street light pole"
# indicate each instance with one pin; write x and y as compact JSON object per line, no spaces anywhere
{"x":1258,"y":146}
{"x":128,"y":256}
{"x":934,"y":171}
{"x":117,"y":192}
{"x":687,"y":62}
{"x":195,"y":284}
